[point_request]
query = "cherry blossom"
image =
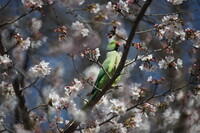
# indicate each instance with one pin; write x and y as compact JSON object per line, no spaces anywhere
{"x":151,"y":108}
{"x":93,"y":8}
{"x":171,"y":116}
{"x":123,"y":6}
{"x":134,"y":91}
{"x":194,"y":36}
{"x":78,"y":26}
{"x":171,"y":28}
{"x":159,"y":89}
{"x":84,"y":32}
{"x":119,"y":128}
{"x":176,"y":2}
{"x":91,"y":72}
{"x":169,"y":62}
{"x":72,"y":90}
{"x":54,"y":99}
{"x":6,"y":88}
{"x":135,"y":120}
{"x":109,"y":5}
{"x":36,"y":24}
{"x":145,"y":57}
{"x":97,"y":53}
{"x":92,"y":129}
{"x":58,"y":119}
{"x":150,"y":79}
{"x":117,"y":107}
{"x":169,"y":98}
{"x":2,"y":116}
{"x":32,"y":3}
{"x":5,"y":61}
{"x":24,"y":44}
{"x":147,"y":67}
{"x":40,"y":70}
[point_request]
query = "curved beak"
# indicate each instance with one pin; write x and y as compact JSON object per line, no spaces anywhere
{"x":117,"y":43}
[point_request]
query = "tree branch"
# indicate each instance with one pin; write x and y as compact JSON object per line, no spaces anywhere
{"x":107,"y":86}
{"x":23,"y":15}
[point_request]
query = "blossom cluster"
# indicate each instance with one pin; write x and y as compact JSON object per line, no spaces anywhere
{"x":36,"y":24}
{"x":171,"y":28}
{"x":140,"y":46}
{"x":134,"y":91}
{"x":171,"y":116}
{"x":149,"y":108}
{"x":194,"y":36}
{"x":5,"y":61}
{"x":93,"y":8}
{"x":6,"y":88}
{"x":62,"y":31}
{"x":121,"y":5}
{"x":91,"y":54}
{"x":135,"y":120}
{"x":24,"y":44}
{"x":78,"y":26}
{"x":147,"y":62}
{"x":117,"y":107}
{"x":66,"y":101}
{"x":91,"y":73}
{"x":35,"y":3}
{"x":73,"y":90}
{"x":2,"y":116}
{"x":176,"y":2}
{"x":169,"y":62}
{"x":124,"y":108}
{"x":40,"y":70}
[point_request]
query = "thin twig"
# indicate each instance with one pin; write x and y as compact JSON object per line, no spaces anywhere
{"x":98,"y":63}
{"x":80,"y":129}
{"x":22,"y":72}
{"x":23,"y":15}
{"x":108,"y":120}
{"x":77,"y":16}
{"x":96,"y":22}
{"x":103,"y":69}
{"x":38,"y":106}
{"x":31,"y":84}
{"x":12,"y":47}
{"x":144,"y":31}
{"x":60,"y":130}
{"x":83,"y":76}
{"x":191,"y":45}
{"x":150,"y":52}
{"x":82,"y":98}
{"x":165,"y":14}
{"x":5,"y":5}
{"x":6,"y":128}
{"x":121,"y":37}
{"x":125,"y":17}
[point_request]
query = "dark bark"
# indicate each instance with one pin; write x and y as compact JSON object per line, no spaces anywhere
{"x":21,"y":109}
{"x":108,"y":85}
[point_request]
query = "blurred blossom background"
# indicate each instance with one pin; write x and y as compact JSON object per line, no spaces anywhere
{"x":60,"y":30}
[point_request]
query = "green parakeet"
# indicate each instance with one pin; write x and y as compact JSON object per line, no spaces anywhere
{"x":110,"y":65}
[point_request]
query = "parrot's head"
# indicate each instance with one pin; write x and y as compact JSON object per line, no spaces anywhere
{"x":113,"y":45}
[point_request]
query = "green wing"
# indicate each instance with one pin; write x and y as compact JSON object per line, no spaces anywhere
{"x":109,"y":65}
{"x":102,"y":73}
